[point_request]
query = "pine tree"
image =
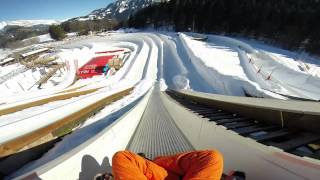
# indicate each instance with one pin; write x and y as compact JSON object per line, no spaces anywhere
{"x":56,"y":32}
{"x":289,"y":23}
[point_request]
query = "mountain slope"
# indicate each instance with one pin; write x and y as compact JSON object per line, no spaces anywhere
{"x":119,"y":10}
{"x":27,"y":23}
{"x":11,"y":32}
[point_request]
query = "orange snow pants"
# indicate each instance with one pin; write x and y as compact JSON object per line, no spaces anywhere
{"x":195,"y":165}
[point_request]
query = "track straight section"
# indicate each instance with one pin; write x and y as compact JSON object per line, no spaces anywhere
{"x":157,"y":134}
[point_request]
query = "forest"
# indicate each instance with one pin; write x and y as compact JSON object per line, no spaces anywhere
{"x":291,"y":24}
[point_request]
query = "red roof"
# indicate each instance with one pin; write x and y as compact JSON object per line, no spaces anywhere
{"x":94,"y":67}
{"x":113,"y":51}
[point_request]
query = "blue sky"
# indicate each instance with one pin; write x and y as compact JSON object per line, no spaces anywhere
{"x":48,"y":9}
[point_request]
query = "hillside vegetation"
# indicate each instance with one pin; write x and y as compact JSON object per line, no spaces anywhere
{"x":12,"y":36}
{"x":293,"y":24}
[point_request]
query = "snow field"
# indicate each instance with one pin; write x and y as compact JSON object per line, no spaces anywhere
{"x":295,"y":60}
{"x":135,"y":73}
{"x":279,"y":78}
{"x":233,"y":75}
{"x":146,"y":70}
{"x":255,"y":71}
{"x":224,"y":74}
{"x":221,"y":65}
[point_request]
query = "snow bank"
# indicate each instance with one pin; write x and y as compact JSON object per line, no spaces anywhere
{"x":220,"y":65}
{"x":45,"y":38}
{"x":163,"y":85}
{"x":2,"y":25}
{"x":279,"y":78}
{"x":294,"y":60}
{"x":4,"y":53}
{"x":64,"y":160}
{"x":127,"y":30}
{"x":273,"y":74}
{"x":181,"y":82}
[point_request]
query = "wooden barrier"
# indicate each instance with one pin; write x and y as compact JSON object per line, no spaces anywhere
{"x":304,"y":115}
{"x":51,"y":130}
{"x":45,"y":101}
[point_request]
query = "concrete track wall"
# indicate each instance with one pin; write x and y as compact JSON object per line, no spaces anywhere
{"x":292,"y":114}
{"x":244,"y":154}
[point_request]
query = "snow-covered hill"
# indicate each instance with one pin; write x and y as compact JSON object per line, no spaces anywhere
{"x":3,"y":24}
{"x":27,"y":23}
{"x":119,"y":10}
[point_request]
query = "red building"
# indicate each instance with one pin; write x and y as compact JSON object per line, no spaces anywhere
{"x":94,"y":67}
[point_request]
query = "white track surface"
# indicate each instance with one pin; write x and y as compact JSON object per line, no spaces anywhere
{"x":220,"y":65}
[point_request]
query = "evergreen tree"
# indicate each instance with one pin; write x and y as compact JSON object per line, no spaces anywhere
{"x":56,"y":32}
{"x":292,"y":24}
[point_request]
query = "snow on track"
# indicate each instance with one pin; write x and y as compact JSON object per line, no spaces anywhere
{"x":174,"y":67}
{"x":217,"y":66}
{"x":143,"y":66}
{"x":140,"y":65}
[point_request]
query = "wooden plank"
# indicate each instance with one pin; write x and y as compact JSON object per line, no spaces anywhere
{"x":302,"y":139}
{"x":15,"y":145}
{"x":271,"y":135}
{"x":234,"y":125}
{"x":251,"y":129}
{"x":214,"y":114}
{"x":306,"y":154}
{"x":229,"y":120}
{"x":194,"y":106}
{"x":213,"y":118}
{"x":45,"y":101}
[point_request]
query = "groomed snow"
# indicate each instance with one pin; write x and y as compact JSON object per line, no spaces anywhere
{"x":219,"y":65}
{"x":177,"y":61}
{"x":239,"y":68}
{"x":218,"y":62}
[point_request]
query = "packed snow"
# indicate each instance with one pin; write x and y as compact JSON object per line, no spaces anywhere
{"x":41,"y":38}
{"x":295,"y":60}
{"x":240,"y":69}
{"x":218,"y":64}
{"x":4,"y":53}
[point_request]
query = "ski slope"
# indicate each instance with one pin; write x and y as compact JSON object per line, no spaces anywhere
{"x":239,"y":68}
{"x":220,"y":65}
